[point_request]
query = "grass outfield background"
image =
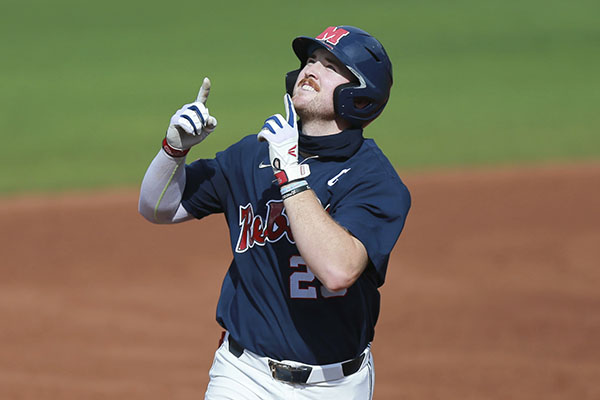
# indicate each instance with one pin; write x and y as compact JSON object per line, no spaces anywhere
{"x":87,"y":88}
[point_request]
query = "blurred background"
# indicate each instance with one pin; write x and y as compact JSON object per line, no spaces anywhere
{"x":87,"y":88}
{"x":493,"y":124}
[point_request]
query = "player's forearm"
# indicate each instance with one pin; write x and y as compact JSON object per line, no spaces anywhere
{"x":162,"y":188}
{"x":335,"y":256}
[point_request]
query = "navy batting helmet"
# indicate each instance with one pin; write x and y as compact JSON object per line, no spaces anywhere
{"x":365,"y":57}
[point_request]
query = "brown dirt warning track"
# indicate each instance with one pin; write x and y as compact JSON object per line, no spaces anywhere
{"x":493,"y":292}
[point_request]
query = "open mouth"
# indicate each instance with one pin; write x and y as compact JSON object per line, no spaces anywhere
{"x":309,"y":84}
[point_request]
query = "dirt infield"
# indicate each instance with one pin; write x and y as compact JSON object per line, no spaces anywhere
{"x":493,"y":293}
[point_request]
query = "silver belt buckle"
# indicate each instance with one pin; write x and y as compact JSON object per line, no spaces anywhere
{"x":287,"y":373}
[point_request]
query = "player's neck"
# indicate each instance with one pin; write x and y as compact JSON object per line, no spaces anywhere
{"x":319,"y":127}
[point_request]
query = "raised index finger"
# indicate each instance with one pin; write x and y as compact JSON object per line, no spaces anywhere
{"x":204,"y":91}
{"x":290,"y":111}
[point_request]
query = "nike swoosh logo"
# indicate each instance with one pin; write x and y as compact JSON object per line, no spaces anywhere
{"x":336,"y":178}
{"x":263,"y":165}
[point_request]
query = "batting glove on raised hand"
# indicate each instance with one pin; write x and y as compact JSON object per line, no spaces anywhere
{"x":190,"y":125}
{"x":282,"y":136}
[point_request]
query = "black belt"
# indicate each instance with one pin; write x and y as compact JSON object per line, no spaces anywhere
{"x":287,"y":373}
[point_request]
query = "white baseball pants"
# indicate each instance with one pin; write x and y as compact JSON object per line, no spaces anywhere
{"x":248,"y":377}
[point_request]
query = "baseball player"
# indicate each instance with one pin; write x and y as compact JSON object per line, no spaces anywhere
{"x":314,"y":210}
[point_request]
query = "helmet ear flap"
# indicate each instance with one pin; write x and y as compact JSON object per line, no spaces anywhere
{"x":290,"y":80}
{"x":354,"y":108}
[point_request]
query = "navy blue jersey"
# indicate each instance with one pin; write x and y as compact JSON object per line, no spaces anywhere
{"x":270,"y":301}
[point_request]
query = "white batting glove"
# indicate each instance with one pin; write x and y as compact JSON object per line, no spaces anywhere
{"x":190,"y":125}
{"x":282,"y":135}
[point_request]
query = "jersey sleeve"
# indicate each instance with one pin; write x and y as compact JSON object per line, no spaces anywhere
{"x":375,"y":212}
{"x":210,"y":183}
{"x":205,"y":188}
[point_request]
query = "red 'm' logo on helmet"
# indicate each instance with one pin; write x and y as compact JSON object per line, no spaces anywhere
{"x":332,"y":35}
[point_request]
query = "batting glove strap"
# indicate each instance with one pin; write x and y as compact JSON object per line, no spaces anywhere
{"x":173,"y":152}
{"x":292,"y":173}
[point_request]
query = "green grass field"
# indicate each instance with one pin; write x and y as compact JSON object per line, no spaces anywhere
{"x":87,"y":88}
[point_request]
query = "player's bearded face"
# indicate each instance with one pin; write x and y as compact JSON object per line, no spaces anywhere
{"x":313,"y":91}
